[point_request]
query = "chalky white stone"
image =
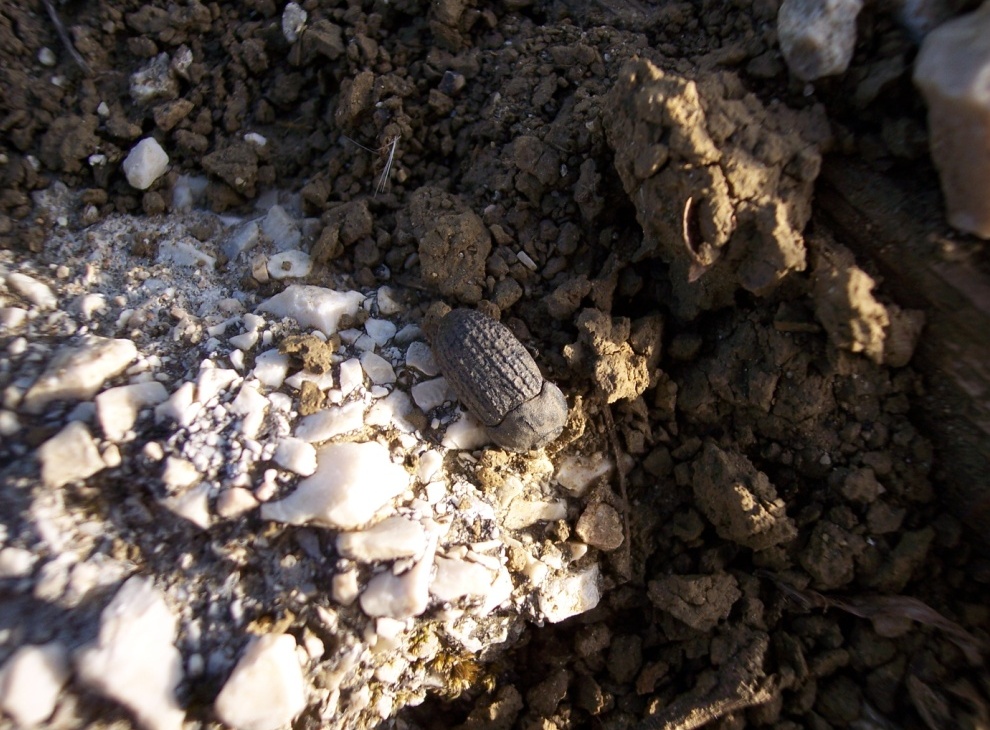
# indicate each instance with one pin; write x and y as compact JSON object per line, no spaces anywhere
{"x":392,"y":410}
{"x":431,"y":394}
{"x":351,"y":376}
{"x":242,"y":238}
{"x":271,"y":367}
{"x":30,"y":682}
{"x":145,"y":163}
{"x":458,"y":578}
{"x":577,"y":472}
{"x":293,"y":21}
{"x":466,"y":433}
{"x":68,"y":456}
{"x":296,"y":455}
{"x":234,"y":502}
{"x":817,"y":37}
{"x":266,"y":690}
{"x":951,"y":71}
{"x":313,"y":306}
{"x":78,"y":373}
{"x":16,"y":562}
{"x":352,"y":483}
{"x":36,"y":292}
{"x":281,"y":229}
{"x":184,"y":253}
{"x":251,"y":405}
{"x":117,"y":408}
{"x":180,"y":407}
{"x":133,"y":661}
{"x":292,"y":264}
{"x":380,"y":330}
{"x":212,"y":381}
{"x":192,"y":505}
{"x":563,"y":597}
{"x":179,"y":473}
{"x":331,"y":422}
{"x":419,"y":356}
{"x":392,"y":538}
{"x":379,"y":369}
{"x":401,"y":596}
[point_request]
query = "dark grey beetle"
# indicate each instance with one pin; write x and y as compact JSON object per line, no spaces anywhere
{"x":498,"y":381}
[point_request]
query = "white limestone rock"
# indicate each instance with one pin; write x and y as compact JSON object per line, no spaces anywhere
{"x":401,"y":596}
{"x":16,"y":562}
{"x":180,"y":407}
{"x":281,"y":229}
{"x":379,"y":369}
{"x":352,"y":483}
{"x":145,"y":163}
{"x":571,"y":594}
{"x":241,"y":238}
{"x":117,"y":408}
{"x":293,"y":264}
{"x":212,"y":381}
{"x":393,"y":410}
{"x":235,"y":502}
{"x":392,"y":538}
{"x":69,"y":456}
{"x":380,"y":330}
{"x":266,"y":690}
{"x":420,"y":357}
{"x":817,"y":37}
{"x":313,"y":306}
{"x":331,"y":422}
{"x":296,"y":455}
{"x":78,"y":373}
{"x":270,"y":368}
{"x":466,"y":433}
{"x":192,"y":505}
{"x":251,"y":405}
{"x":351,"y":376}
{"x":431,"y":394}
{"x":133,"y":661}
{"x":30,"y":682}
{"x":457,"y":578}
{"x":577,"y":472}
{"x":36,"y":292}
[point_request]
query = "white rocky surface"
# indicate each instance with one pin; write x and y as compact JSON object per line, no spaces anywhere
{"x":266,"y":690}
{"x":134,"y":661}
{"x":372,"y":511}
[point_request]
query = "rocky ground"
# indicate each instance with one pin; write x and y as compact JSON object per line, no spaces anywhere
{"x":230,"y":465}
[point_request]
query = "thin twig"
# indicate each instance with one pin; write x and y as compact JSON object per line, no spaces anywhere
{"x":623,"y":493}
{"x":64,"y":37}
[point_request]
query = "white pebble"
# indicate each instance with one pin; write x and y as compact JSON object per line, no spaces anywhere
{"x":12,"y":317}
{"x":351,"y":376}
{"x":30,"y":682}
{"x":192,"y":505}
{"x":145,"y":163}
{"x":577,"y":472}
{"x":179,"y":473}
{"x":245,"y":341}
{"x":266,"y":690}
{"x":241,"y":238}
{"x":180,"y":407}
{"x":251,"y":405}
{"x":817,"y":37}
{"x":380,"y":330}
{"x":313,"y":306}
{"x":78,"y":373}
{"x":234,"y":502}
{"x":16,"y":562}
{"x":331,"y":422}
{"x":117,"y":408}
{"x":456,"y":578}
{"x":271,"y":367}
{"x":431,"y":394}
{"x":401,"y":596}
{"x":296,"y":455}
{"x":9,"y":423}
{"x":420,"y":357}
{"x":392,"y":410}
{"x":36,"y":292}
{"x":561,"y":598}
{"x":46,"y":57}
{"x":344,"y":587}
{"x":68,"y":456}
{"x":212,"y":381}
{"x":395,"y":537}
{"x":135,"y":643}
{"x":379,"y":369}
{"x":352,"y":483}
{"x":281,"y":229}
{"x":293,"y":21}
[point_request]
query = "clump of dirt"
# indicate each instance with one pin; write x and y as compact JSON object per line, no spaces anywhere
{"x":721,"y":183}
